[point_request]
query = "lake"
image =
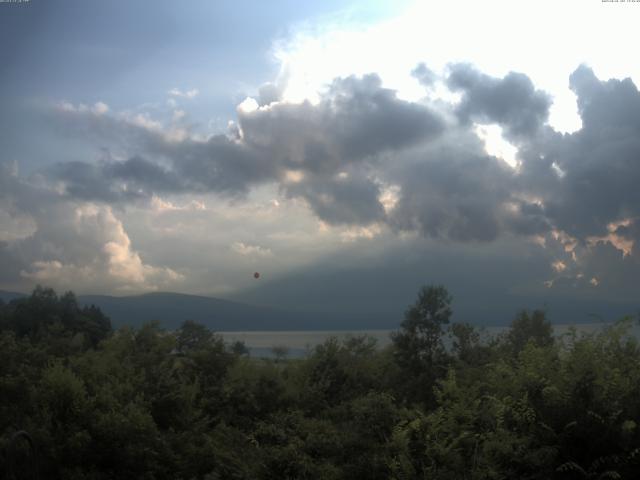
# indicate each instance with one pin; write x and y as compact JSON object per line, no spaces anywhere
{"x":300,"y":343}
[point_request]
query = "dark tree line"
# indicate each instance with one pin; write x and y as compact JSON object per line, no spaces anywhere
{"x":443,"y":401}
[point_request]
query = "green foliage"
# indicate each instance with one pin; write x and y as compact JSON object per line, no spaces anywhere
{"x":419,"y":348}
{"x":152,"y":404}
{"x":419,"y":343}
{"x":58,"y":322}
{"x":526,"y":328}
{"x":192,"y":337}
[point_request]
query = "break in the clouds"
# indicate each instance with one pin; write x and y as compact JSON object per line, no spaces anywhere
{"x":361,"y":158}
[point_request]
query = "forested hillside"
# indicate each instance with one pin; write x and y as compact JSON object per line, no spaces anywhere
{"x":152,"y":404}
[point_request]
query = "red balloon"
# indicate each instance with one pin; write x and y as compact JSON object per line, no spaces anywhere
{"x":256,"y":275}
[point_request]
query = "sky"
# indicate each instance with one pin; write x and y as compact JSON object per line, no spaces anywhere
{"x":349,"y":151}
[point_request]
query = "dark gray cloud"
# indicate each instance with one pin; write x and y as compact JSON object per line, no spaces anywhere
{"x":144,"y":173}
{"x":512,"y":102}
{"x":369,"y":119}
{"x":355,"y":123}
{"x":85,"y":181}
{"x":220,"y":165}
{"x":343,"y":200}
{"x":577,"y":192}
{"x":453,"y":193}
{"x":526,"y":218}
{"x":589,"y":179}
{"x":359,"y":137}
{"x":11,"y":263}
{"x":269,"y":93}
{"x":130,"y":130}
{"x":489,"y":283}
{"x":355,"y":119}
{"x":606,"y":107}
{"x":583,"y":183}
{"x":424,"y":74}
{"x":116,"y":181}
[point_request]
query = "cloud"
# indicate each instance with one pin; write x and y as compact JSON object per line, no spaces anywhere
{"x":72,"y":242}
{"x":247,"y":250}
{"x":350,"y":199}
{"x":176,"y":92}
{"x":355,"y":119}
{"x":96,"y":252}
{"x":355,"y":123}
{"x":158,"y":205}
{"x":424,"y":75}
{"x":340,"y":153}
{"x":270,"y":93}
{"x":451,"y":192}
{"x":367,"y":165}
{"x":115,"y":181}
{"x":512,"y":102}
{"x":588,"y":179}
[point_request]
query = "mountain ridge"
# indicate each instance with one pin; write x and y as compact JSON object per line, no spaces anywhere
{"x":171,"y":309}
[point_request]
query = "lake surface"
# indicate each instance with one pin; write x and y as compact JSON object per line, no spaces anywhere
{"x":300,"y":343}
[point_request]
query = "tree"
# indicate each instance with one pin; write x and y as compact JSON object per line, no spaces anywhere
{"x":530,"y":327}
{"x":193,"y":336}
{"x":239,"y":348}
{"x":58,"y":322}
{"x":467,"y":346}
{"x":280,"y":352}
{"x":420,"y":340}
{"x":418,"y":346}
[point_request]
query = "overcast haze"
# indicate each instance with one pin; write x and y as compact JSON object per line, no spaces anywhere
{"x":348,"y":153}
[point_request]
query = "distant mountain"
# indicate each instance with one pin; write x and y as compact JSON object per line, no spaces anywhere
{"x":171,"y":309}
{"x":8,"y":296}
